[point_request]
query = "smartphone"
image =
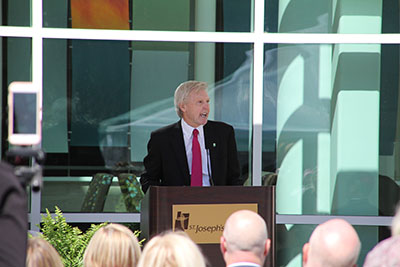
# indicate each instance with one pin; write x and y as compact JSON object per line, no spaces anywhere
{"x":24,"y":114}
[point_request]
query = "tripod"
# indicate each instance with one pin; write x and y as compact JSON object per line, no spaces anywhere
{"x":29,"y":175}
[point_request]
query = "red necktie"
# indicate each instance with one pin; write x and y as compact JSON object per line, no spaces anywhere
{"x":197,"y":173}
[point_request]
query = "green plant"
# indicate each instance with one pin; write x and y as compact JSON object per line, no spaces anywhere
{"x":70,"y":242}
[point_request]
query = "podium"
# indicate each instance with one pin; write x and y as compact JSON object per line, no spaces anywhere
{"x":202,"y":211}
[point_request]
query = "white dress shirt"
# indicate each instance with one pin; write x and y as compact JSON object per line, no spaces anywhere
{"x":187,"y":137}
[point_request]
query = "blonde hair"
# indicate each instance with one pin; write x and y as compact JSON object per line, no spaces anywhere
{"x":112,"y":245}
{"x":172,"y":249}
{"x":41,"y":253}
{"x":183,"y":91}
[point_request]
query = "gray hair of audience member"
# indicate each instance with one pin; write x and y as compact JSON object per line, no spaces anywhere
{"x":385,"y":253}
{"x":41,"y":253}
{"x":333,"y":243}
{"x":112,"y":245}
{"x":396,"y":222}
{"x":245,"y":230}
{"x":171,"y":249}
{"x":183,"y":91}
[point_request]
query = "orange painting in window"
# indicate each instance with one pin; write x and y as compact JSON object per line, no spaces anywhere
{"x":100,"y":14}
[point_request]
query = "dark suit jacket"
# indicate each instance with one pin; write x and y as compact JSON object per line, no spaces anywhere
{"x":166,"y":161}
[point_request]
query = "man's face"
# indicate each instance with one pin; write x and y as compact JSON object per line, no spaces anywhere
{"x":196,"y":108}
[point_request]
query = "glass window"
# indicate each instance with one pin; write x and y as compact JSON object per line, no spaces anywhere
{"x":330,"y":123}
{"x":329,"y":136}
{"x":16,"y":13}
{"x":181,"y":15}
{"x":342,"y":16}
{"x":16,"y":64}
{"x":102,"y":99}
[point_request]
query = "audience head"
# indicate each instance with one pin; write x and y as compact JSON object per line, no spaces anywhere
{"x":112,"y":245}
{"x":41,"y":253}
{"x":386,"y":253}
{"x":245,"y":238}
{"x":183,"y":91}
{"x":171,"y":249}
{"x":333,"y":243}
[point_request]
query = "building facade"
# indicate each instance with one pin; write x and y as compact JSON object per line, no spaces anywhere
{"x":311,"y":88}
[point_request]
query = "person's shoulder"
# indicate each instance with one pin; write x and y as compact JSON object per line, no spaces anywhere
{"x":166,"y":129}
{"x":6,"y":167}
{"x":219,"y":125}
{"x":7,"y":171}
{"x":384,"y":253}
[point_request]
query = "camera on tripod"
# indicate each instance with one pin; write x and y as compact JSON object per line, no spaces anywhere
{"x":24,"y":132}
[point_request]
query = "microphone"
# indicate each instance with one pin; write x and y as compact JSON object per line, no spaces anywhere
{"x":208,"y":168}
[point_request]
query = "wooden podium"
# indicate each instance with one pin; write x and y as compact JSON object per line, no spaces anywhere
{"x":170,"y":207}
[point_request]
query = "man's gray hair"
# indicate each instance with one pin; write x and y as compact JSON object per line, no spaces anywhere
{"x":183,"y":91}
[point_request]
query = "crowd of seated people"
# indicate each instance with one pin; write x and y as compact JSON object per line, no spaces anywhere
{"x":244,"y":243}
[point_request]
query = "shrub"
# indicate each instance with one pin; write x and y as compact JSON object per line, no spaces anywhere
{"x":70,"y":242}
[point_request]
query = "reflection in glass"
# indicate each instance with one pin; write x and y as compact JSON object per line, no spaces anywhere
{"x":152,"y":99}
{"x":18,"y":52}
{"x":16,"y":13}
{"x":327,"y":129}
{"x":336,"y":110}
{"x":325,"y":16}
{"x":178,"y":15}
{"x":100,"y":14}
{"x":102,"y":99}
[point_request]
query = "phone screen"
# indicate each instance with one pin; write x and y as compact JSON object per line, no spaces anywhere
{"x":24,"y":116}
{"x":25,"y":113}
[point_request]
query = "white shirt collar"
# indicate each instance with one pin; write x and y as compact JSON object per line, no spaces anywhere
{"x":188,"y":130}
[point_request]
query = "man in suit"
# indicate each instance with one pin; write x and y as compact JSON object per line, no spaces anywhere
{"x":245,"y":241}
{"x":170,"y":160}
{"x":333,"y":243}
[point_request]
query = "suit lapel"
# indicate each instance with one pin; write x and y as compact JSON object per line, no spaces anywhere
{"x":211,"y":142}
{"x":178,"y":145}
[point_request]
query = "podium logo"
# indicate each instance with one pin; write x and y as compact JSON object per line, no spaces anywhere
{"x":181,"y":221}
